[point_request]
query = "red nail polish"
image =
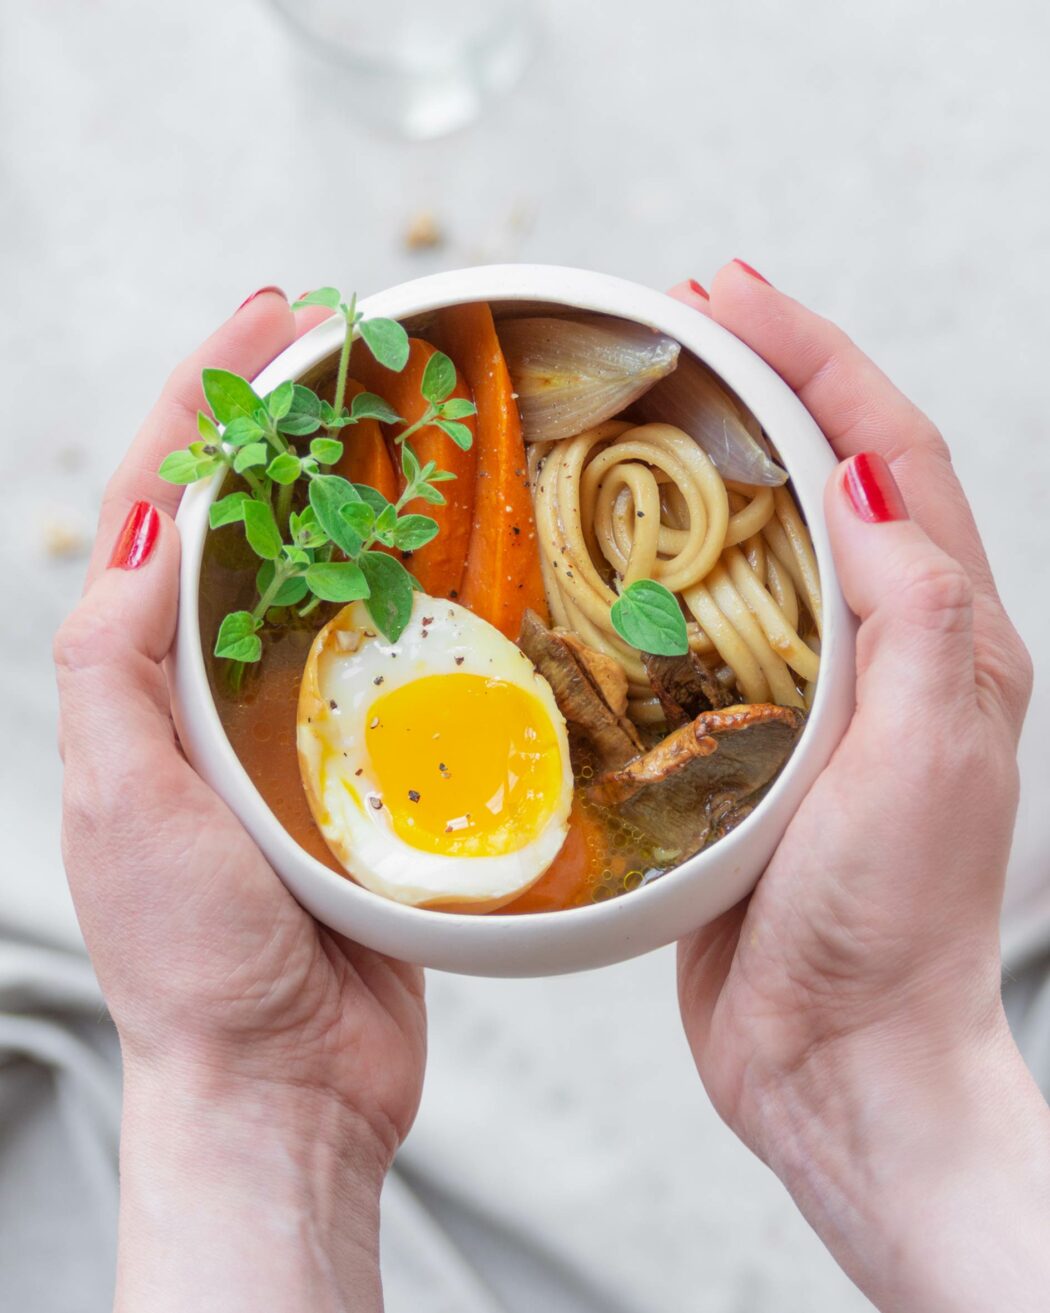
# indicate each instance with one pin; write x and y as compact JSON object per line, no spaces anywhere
{"x":248,"y":299}
{"x":303,"y":295}
{"x":696,"y":287}
{"x":753,"y":272}
{"x":137,"y":538}
{"x":872,"y":489}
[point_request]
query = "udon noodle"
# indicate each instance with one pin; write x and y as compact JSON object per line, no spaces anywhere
{"x":645,"y":502}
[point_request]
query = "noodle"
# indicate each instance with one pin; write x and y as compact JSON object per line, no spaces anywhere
{"x":623,"y":502}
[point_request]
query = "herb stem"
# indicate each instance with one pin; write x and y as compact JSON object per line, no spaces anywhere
{"x":427,"y":416}
{"x":284,"y":505}
{"x":344,"y":357}
{"x":282,"y":572}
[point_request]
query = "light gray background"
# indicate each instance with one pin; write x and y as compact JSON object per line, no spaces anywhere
{"x":887,"y":163}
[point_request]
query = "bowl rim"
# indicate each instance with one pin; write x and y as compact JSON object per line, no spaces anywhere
{"x":809,"y":460}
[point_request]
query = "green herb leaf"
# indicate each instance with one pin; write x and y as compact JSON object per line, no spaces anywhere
{"x":237,"y":639}
{"x":328,"y":296}
{"x":279,"y":401}
{"x":328,"y":495}
{"x":228,"y":509}
{"x":337,"y":581}
{"x":254,"y":454}
{"x":440,"y":476}
{"x":242,"y":430}
{"x":390,"y":598}
{"x":387,"y":341}
{"x":295,"y":554}
{"x":439,"y":378}
{"x":290,"y":592}
{"x":260,"y":529}
{"x":384,"y":525}
{"x":647,"y":616}
{"x":360,"y":517}
{"x":366,"y":405}
{"x":409,"y":463}
{"x":207,"y":429}
{"x":430,"y":494}
{"x":374,"y":498}
{"x":284,"y":468}
{"x":459,"y":433}
{"x":458,"y":408}
{"x":414,"y":531}
{"x":229,"y":395}
{"x":186,"y":466}
{"x":326,"y":450}
{"x":305,"y":530}
{"x":304,"y":416}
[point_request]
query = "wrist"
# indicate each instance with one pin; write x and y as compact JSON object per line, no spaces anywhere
{"x":928,"y":1180}
{"x":239,"y":1194}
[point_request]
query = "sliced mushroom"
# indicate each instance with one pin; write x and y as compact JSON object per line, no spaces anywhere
{"x":586,"y":691}
{"x":704,"y":778}
{"x":685,"y":687}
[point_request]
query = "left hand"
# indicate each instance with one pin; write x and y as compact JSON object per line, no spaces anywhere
{"x":272,"y":1067}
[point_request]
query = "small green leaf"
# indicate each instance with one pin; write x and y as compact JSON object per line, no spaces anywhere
{"x":254,"y":454}
{"x":326,"y":450}
{"x":328,"y":296}
{"x":296,"y":555}
{"x":440,"y":476}
{"x":384,"y":525}
{"x":366,"y":405}
{"x":227,"y":510}
{"x":305,"y":530}
{"x":390,"y":597}
{"x":207,"y":429}
{"x":337,"y":581}
{"x":184,"y":467}
{"x":459,"y":433}
{"x":439,"y":378}
{"x":242,"y":430}
{"x":290,"y":592}
{"x":360,"y":517}
{"x":414,"y":531}
{"x":328,"y":495}
{"x":430,"y":494}
{"x":647,"y":615}
{"x":458,"y":408}
{"x":229,"y":395}
{"x":304,"y":416}
{"x":374,"y":498}
{"x":284,"y":468}
{"x":237,"y":639}
{"x":260,"y":528}
{"x":387,"y":341}
{"x":279,"y":401}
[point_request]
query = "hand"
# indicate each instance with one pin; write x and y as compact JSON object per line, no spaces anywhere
{"x":846,"y":1020}
{"x":271,"y":1066}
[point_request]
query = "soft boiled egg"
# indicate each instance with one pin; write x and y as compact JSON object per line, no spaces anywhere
{"x":437,"y":766}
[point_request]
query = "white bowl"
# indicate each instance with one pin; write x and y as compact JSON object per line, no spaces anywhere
{"x":680,"y":901}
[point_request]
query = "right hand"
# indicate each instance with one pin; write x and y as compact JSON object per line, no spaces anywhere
{"x":846,"y":1020}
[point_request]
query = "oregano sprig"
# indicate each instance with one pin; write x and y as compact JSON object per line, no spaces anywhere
{"x":316,"y":533}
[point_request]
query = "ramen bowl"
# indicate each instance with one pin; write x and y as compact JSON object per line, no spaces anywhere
{"x":683,"y":899}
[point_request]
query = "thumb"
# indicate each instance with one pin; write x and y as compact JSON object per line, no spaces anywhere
{"x":915,"y":648}
{"x":113,"y":694}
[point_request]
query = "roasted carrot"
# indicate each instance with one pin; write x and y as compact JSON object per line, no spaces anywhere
{"x":566,"y":880}
{"x":365,"y":457}
{"x":502,"y":577}
{"x":439,"y":565}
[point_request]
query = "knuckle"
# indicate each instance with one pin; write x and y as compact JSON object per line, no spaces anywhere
{"x":86,"y":638}
{"x":937,"y":594}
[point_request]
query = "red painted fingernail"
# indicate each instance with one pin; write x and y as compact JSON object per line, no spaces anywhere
{"x":753,"y":272}
{"x":303,"y":295}
{"x":696,"y":287}
{"x":872,"y":489}
{"x":262,"y":290}
{"x":137,"y":538}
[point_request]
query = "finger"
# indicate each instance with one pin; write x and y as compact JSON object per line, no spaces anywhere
{"x":309,"y":317}
{"x":261,"y":328}
{"x":856,"y":406}
{"x":113,"y":695}
{"x":915,"y":648}
{"x":690,"y":292}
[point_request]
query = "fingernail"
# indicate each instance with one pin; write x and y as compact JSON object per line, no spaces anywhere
{"x":137,"y":538}
{"x":262,"y":290}
{"x":753,"y":272}
{"x":696,"y":287}
{"x":872,"y":489}
{"x":303,"y":295}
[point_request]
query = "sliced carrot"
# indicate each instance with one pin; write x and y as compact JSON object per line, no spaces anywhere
{"x":502,"y":577}
{"x":439,"y":565}
{"x":566,"y":880}
{"x":365,"y":457}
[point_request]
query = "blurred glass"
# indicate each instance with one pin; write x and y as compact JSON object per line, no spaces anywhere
{"x":420,"y":67}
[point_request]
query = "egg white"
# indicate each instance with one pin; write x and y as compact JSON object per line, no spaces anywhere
{"x":349,"y":666}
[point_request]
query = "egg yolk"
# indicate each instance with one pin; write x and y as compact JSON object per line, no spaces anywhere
{"x":463,"y":765}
